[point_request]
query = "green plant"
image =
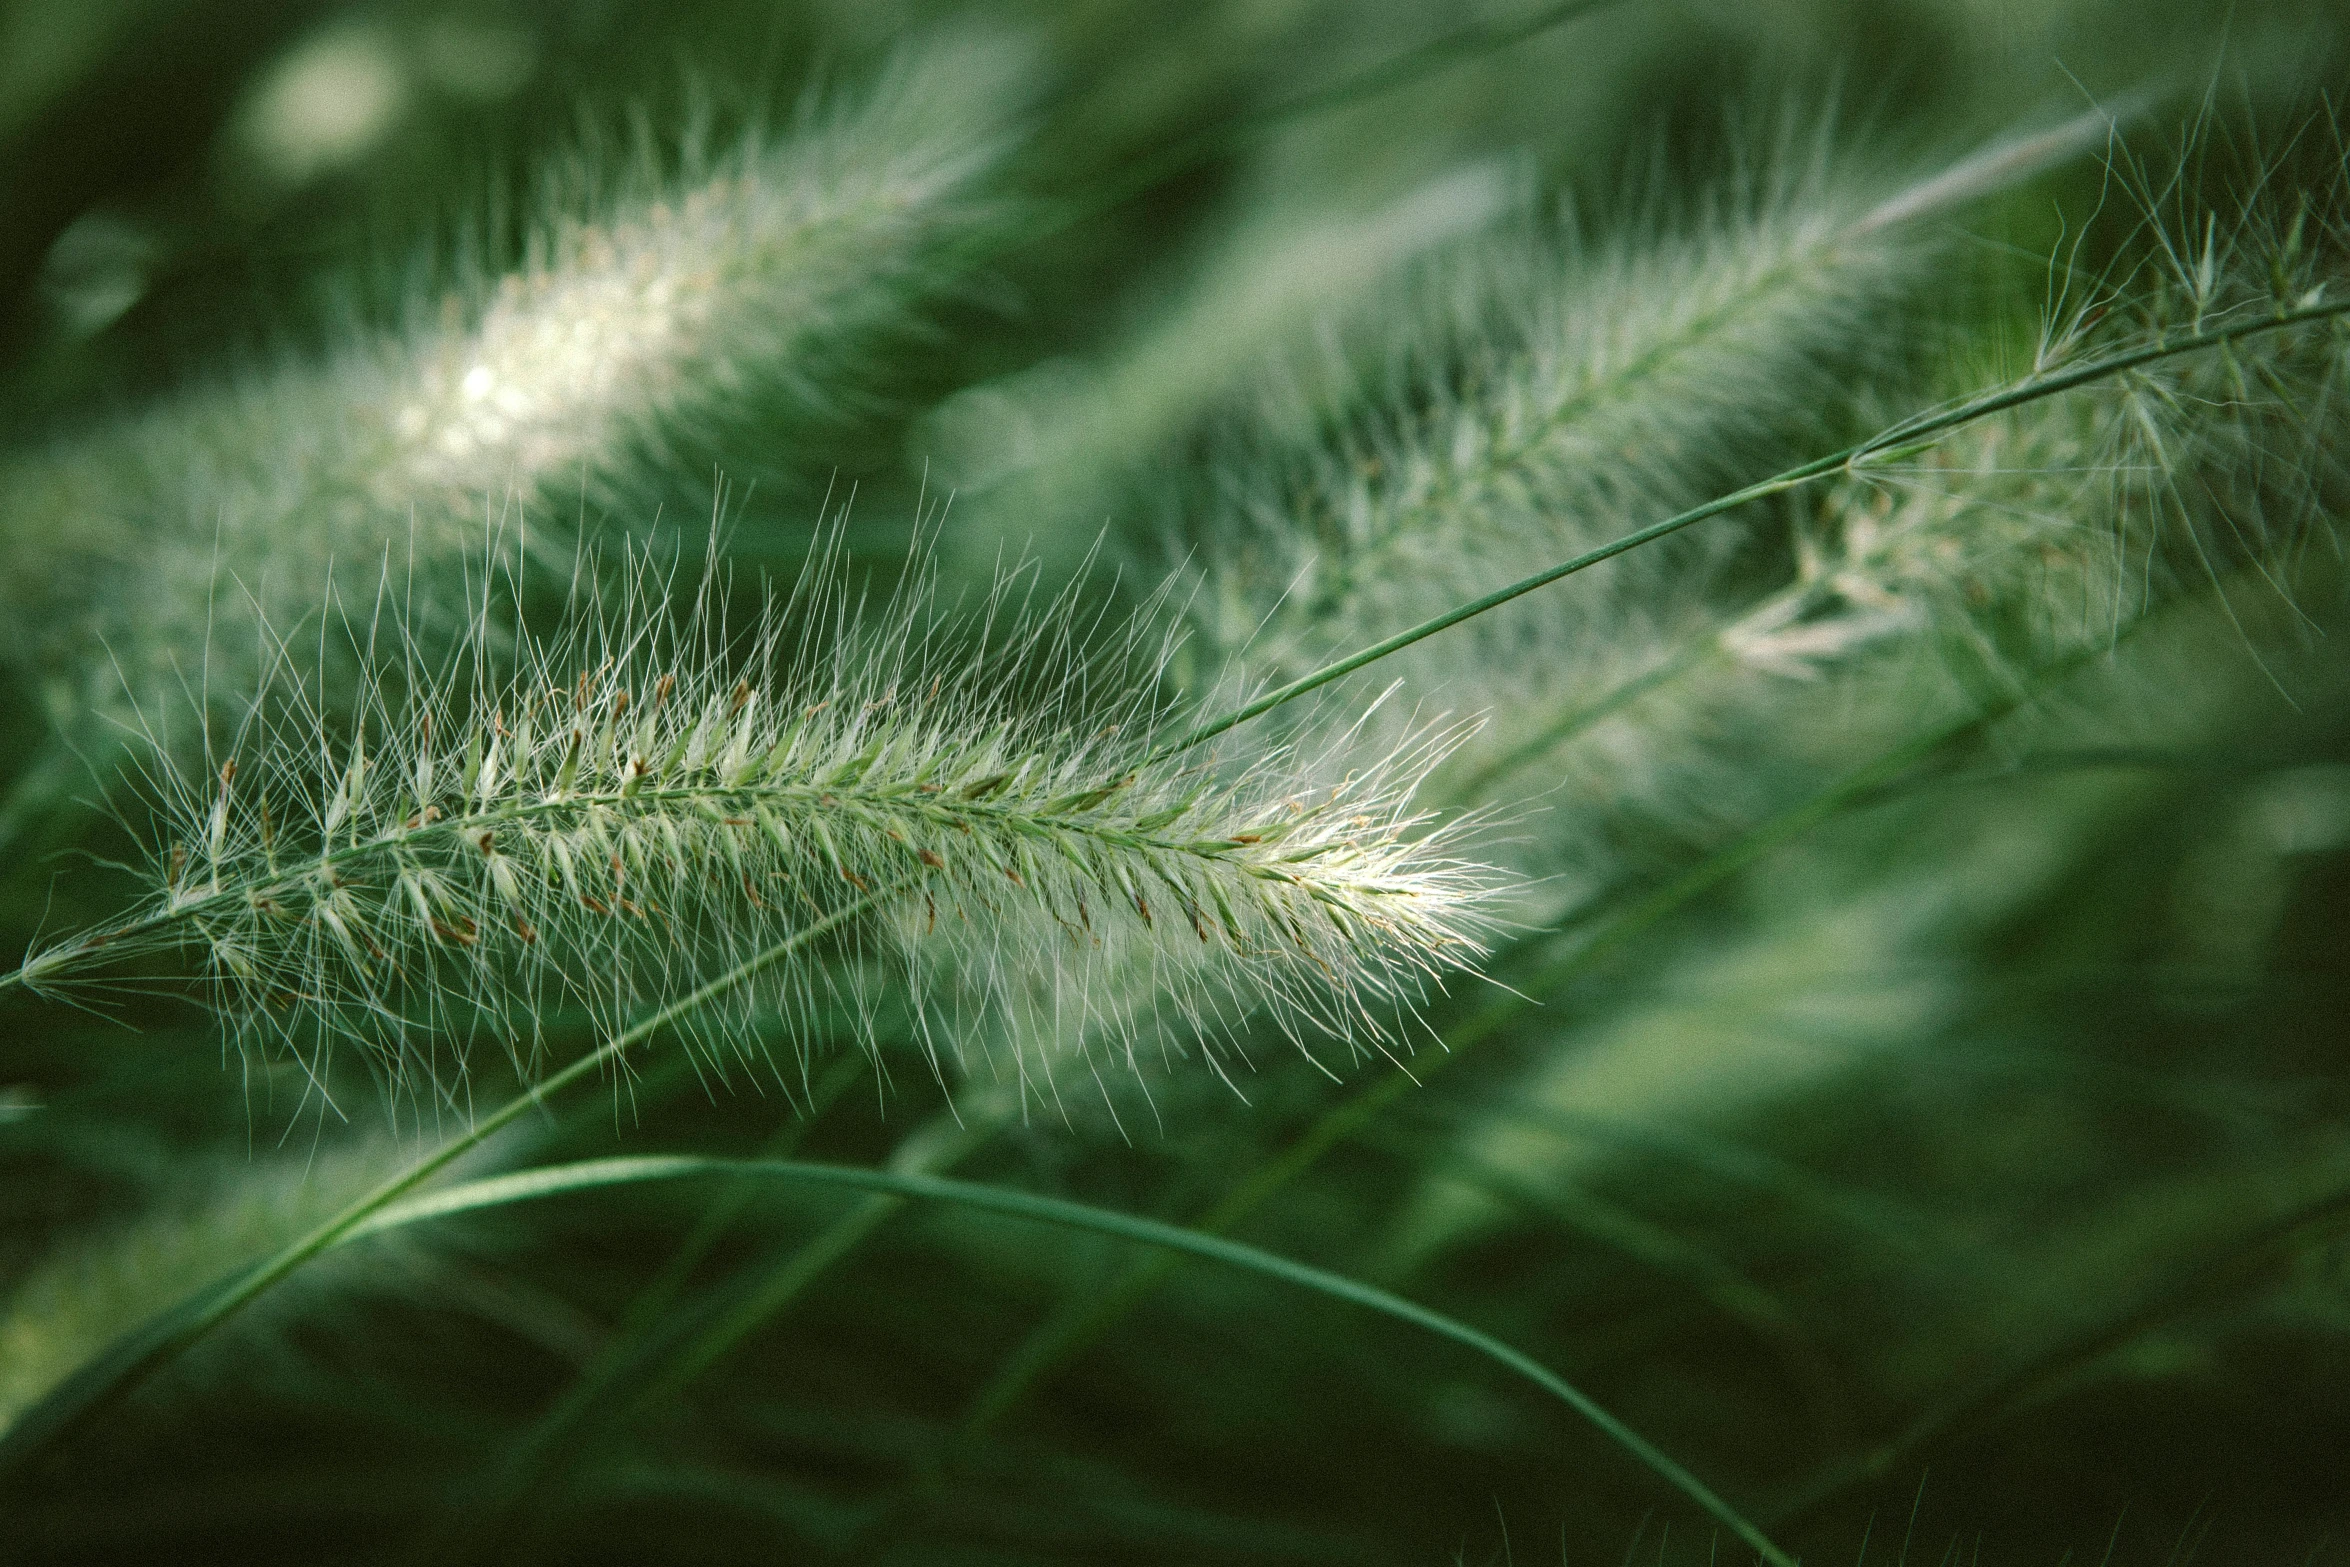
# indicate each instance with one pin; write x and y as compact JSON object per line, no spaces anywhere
{"x":1817,"y":945}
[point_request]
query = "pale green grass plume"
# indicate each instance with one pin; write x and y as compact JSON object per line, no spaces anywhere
{"x":657,"y":295}
{"x":1973,"y":576}
{"x":647,"y":800}
{"x":1551,"y":391}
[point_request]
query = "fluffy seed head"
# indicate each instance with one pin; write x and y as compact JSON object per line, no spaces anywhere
{"x":662,"y":295}
{"x":1947,"y":573}
{"x":645,"y":801}
{"x":1550,"y":390}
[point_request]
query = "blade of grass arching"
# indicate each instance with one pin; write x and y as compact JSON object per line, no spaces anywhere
{"x":952,"y":1140}
{"x":1894,"y":441}
{"x":539,"y":1453}
{"x":593,"y":1174}
{"x":147,"y":1349}
{"x":652,"y":1303}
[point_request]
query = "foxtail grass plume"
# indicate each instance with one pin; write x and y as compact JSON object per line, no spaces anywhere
{"x":1550,"y":391}
{"x":661,"y":292}
{"x":1958,"y":569}
{"x":647,"y":801}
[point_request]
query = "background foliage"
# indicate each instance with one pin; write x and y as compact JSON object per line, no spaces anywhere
{"x":1912,"y":1095}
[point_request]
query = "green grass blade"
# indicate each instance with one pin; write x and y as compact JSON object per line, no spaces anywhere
{"x":655,"y":1356}
{"x":594,"y":1174}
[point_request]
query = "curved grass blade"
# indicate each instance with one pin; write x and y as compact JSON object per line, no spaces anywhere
{"x":652,"y":1358}
{"x":592,"y":1174}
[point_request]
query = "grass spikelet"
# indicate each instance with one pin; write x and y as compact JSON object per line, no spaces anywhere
{"x":662,"y":293}
{"x":647,"y":799}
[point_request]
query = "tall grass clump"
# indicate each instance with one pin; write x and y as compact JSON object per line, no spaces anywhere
{"x":1686,"y":895}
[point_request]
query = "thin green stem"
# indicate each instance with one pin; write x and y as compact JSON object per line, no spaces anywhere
{"x":653,"y":1302}
{"x":645,"y":1366}
{"x":1896,"y":440}
{"x":539,"y":1455}
{"x":775,"y":1289}
{"x":1034,"y":1208}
